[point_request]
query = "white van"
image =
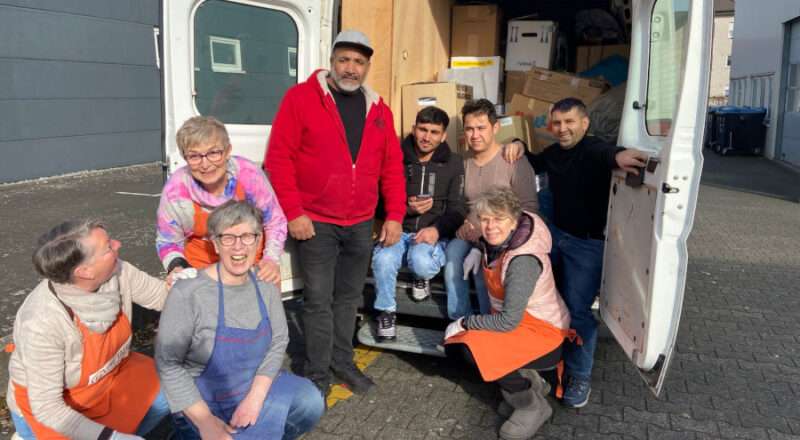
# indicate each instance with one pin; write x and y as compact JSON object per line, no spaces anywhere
{"x":665,"y":104}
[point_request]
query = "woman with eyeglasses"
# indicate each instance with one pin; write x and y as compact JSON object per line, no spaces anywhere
{"x":221,"y":343}
{"x":211,"y":177}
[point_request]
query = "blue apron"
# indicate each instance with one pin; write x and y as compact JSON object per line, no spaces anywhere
{"x":234,"y":361}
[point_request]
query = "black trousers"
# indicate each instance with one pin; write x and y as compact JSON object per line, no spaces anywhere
{"x":511,"y":382}
{"x":334,"y":267}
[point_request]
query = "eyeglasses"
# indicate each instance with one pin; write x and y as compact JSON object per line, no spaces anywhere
{"x":247,"y":239}
{"x":214,"y":155}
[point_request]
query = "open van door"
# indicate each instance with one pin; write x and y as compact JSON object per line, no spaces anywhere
{"x":234,"y":60}
{"x":649,"y":221}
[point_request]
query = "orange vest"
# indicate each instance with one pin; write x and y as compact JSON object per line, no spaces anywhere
{"x":545,"y":302}
{"x":116,"y":388}
{"x":500,"y":353}
{"x":199,"y":250}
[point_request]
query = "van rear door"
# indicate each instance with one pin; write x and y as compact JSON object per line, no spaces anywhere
{"x":234,"y":60}
{"x":649,"y":222}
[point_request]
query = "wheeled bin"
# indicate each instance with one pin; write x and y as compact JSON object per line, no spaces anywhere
{"x":739,"y":130}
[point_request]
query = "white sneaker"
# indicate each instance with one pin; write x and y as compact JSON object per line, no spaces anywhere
{"x":420,"y":290}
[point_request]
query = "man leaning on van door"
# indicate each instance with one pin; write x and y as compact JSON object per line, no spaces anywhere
{"x":579,"y":173}
{"x":332,"y":150}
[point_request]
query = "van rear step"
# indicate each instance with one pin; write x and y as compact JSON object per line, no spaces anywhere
{"x":435,"y":306}
{"x":409,"y":339}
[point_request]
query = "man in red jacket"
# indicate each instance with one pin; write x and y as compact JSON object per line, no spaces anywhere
{"x":332,"y":149}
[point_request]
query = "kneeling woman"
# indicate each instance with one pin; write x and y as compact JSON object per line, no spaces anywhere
{"x":528,"y":320}
{"x":222,"y":341}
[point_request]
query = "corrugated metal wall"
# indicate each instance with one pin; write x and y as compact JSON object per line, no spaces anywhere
{"x":79,"y":88}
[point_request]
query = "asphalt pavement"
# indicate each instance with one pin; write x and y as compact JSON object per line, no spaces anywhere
{"x":735,"y":374}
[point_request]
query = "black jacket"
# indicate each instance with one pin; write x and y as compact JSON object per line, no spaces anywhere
{"x":579,"y":179}
{"x":443,"y":178}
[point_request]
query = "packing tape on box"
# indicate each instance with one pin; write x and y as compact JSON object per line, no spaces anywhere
{"x":505,"y":122}
{"x":426,"y":101}
{"x":464,"y":64}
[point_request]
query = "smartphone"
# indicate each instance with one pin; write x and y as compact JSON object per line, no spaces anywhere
{"x":424,"y":196}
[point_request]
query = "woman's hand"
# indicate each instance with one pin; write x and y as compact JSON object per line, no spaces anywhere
{"x":209,"y":425}
{"x":269,"y":271}
{"x":454,"y":328}
{"x":249,"y":408}
{"x":472,"y":262}
{"x":215,"y":429}
{"x":180,"y":273}
{"x":247,"y":412}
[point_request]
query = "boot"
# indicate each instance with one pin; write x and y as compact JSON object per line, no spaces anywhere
{"x":531,"y":410}
{"x":538,"y":384}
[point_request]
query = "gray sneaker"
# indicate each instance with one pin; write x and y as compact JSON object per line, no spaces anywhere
{"x":420,"y":290}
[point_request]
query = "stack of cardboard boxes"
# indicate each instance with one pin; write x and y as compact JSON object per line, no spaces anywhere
{"x":521,"y":84}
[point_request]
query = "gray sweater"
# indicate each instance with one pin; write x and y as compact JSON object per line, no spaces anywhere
{"x":521,"y":277}
{"x":519,"y":176}
{"x":188,"y":326}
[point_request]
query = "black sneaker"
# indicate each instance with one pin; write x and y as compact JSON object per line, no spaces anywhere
{"x":355,"y":380}
{"x":420,"y":290}
{"x":387,"y":331}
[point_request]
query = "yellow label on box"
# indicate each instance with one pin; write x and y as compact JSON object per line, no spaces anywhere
{"x":459,"y":64}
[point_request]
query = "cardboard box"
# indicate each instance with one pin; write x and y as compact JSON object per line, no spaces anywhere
{"x":484,"y":74}
{"x":514,"y":127}
{"x":449,"y":97}
{"x":588,"y":56}
{"x":537,"y":112}
{"x":514,"y":83}
{"x":553,"y":86}
{"x":530,"y":43}
{"x":475,"y":31}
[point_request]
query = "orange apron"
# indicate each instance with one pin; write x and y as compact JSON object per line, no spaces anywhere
{"x":116,"y":388}
{"x":198,"y":250}
{"x":500,"y":353}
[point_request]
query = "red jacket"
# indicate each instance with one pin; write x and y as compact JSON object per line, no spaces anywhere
{"x":309,"y":164}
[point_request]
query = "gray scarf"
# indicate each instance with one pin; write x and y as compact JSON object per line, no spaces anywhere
{"x":97,"y":310}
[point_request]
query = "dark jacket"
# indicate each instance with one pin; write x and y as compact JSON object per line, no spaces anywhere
{"x":443,"y":178}
{"x":579,"y":179}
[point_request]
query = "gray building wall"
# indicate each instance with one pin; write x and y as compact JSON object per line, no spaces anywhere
{"x":79,"y":87}
{"x":757,"y":58}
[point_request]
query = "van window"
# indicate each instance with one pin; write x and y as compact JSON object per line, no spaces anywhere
{"x":669,"y":34}
{"x":245,"y":58}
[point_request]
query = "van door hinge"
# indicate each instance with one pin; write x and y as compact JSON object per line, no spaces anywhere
{"x":667,"y":189}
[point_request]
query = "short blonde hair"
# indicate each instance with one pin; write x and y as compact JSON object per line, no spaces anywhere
{"x":498,"y":200}
{"x":201,"y":129}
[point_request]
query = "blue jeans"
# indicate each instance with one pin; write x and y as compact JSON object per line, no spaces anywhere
{"x":578,"y":268}
{"x":546,"y":209}
{"x":424,"y":260}
{"x":304,"y":412}
{"x":458,"y":303}
{"x":158,"y":410}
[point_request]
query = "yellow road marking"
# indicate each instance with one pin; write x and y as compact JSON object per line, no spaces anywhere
{"x":363,"y":356}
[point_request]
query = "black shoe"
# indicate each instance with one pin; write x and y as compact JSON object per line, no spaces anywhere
{"x":355,"y":380}
{"x":387,"y":331}
{"x":420,"y":290}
